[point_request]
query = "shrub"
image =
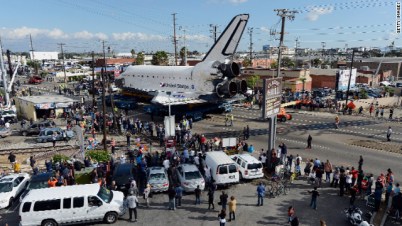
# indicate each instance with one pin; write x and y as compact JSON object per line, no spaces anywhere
{"x":60,"y":158}
{"x":98,"y":155}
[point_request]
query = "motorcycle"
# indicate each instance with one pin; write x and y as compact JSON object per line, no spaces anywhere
{"x":354,"y":216}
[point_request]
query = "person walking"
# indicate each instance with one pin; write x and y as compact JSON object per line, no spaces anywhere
{"x":391,"y":112}
{"x":54,"y":138}
{"x":226,"y":119}
{"x":232,"y":208}
{"x":147,"y":194}
{"x":389,"y":132}
{"x":197,"y":192}
{"x":328,"y":171}
{"x":222,"y":217}
{"x":284,"y":152}
{"x":113,"y":144}
{"x":360,"y":163}
{"x":172,"y":196}
{"x":132,"y":202}
{"x":309,"y":139}
{"x":211,"y":198}
{"x":179,"y":194}
{"x":291,"y":213}
{"x":223,"y":200}
{"x":314,"y":195}
{"x":12,"y":159}
{"x":128,"y":137}
{"x":260,"y":194}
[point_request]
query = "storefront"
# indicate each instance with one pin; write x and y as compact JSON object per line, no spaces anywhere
{"x":39,"y":107}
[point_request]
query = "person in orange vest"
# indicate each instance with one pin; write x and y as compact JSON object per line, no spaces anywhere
{"x":113,"y":143}
{"x":52,"y":182}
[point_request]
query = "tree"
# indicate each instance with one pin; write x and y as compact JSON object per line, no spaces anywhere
{"x":247,"y":62}
{"x":183,"y":55}
{"x":316,"y":62}
{"x":287,"y":62}
{"x":132,"y":52}
{"x":274,"y":65}
{"x":140,"y":58}
{"x":34,"y":64}
{"x":252,"y":81}
{"x":160,"y":58}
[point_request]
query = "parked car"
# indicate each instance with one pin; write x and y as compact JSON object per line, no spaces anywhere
{"x":10,"y":187}
{"x":9,"y":116}
{"x":5,"y":132}
{"x":36,"y":127}
{"x":35,"y":80}
{"x":36,"y":182}
{"x":123,"y":174}
{"x":249,"y":166}
{"x":46,"y":135}
{"x":158,"y":179}
{"x":190,"y":177}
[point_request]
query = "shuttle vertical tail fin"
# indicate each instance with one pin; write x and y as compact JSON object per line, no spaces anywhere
{"x":228,"y":41}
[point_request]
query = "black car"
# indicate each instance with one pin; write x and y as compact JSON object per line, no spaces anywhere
{"x":37,"y":182}
{"x":36,"y":127}
{"x":123,"y":174}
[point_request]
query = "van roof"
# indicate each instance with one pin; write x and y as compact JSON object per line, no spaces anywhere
{"x":61,"y":192}
{"x":219,"y":157}
{"x":248,"y":158}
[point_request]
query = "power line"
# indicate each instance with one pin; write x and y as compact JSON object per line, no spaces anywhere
{"x":64,"y":66}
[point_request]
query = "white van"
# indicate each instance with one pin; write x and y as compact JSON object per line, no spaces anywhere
{"x":249,"y":166}
{"x":70,"y":205}
{"x":223,"y":168}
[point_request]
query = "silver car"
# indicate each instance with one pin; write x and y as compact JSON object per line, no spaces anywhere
{"x":158,"y":179}
{"x":5,"y":132}
{"x":190,"y":177}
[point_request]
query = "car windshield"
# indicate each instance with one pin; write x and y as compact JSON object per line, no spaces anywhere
{"x":192,"y":175}
{"x":105,"y":194}
{"x":157,"y":176}
{"x":37,"y":185}
{"x":254,"y":166}
{"x":6,"y":187}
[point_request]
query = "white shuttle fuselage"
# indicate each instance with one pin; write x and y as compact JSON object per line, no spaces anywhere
{"x":212,"y":80}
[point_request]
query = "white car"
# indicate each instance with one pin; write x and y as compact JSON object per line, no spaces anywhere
{"x":10,"y":187}
{"x":190,"y":177}
{"x":249,"y":167}
{"x":158,"y":179}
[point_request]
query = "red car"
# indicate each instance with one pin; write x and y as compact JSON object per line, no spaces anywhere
{"x":35,"y":80}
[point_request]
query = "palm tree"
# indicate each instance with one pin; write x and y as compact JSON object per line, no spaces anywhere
{"x":132,"y":52}
{"x":160,"y":58}
{"x":140,"y":58}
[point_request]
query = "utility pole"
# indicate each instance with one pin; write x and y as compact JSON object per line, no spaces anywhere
{"x":283,"y":13}
{"x":174,"y":38}
{"x":64,"y":66}
{"x":250,"y":32}
{"x":350,"y":77}
{"x":93,"y":81}
{"x":297,"y":47}
{"x":33,"y":56}
{"x":108,"y":86}
{"x":214,"y":31}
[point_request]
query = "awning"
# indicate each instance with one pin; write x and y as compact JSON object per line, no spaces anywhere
{"x":45,"y":106}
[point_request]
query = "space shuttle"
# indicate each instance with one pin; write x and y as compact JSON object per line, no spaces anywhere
{"x":214,"y":79}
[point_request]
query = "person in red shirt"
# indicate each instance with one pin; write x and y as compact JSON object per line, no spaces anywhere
{"x":354,"y":173}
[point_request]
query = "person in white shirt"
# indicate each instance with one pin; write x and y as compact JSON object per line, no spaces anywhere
{"x":197,"y":160}
{"x":389,"y":132}
{"x":132,"y":201}
{"x":166,"y":163}
{"x":7,"y":125}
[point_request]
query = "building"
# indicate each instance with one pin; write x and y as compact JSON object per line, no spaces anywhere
{"x":294,"y":80}
{"x":44,"y":55}
{"x":392,"y":64}
{"x":36,"y":107}
{"x":114,"y":61}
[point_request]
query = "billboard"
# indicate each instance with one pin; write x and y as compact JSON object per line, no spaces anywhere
{"x":342,"y":79}
{"x":272,"y":96}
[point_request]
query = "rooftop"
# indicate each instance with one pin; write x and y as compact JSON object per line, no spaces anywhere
{"x":47,"y":99}
{"x":62,"y":192}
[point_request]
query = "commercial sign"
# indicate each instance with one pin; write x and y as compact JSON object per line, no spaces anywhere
{"x":45,"y":106}
{"x":272,"y":96}
{"x":342,"y":78}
